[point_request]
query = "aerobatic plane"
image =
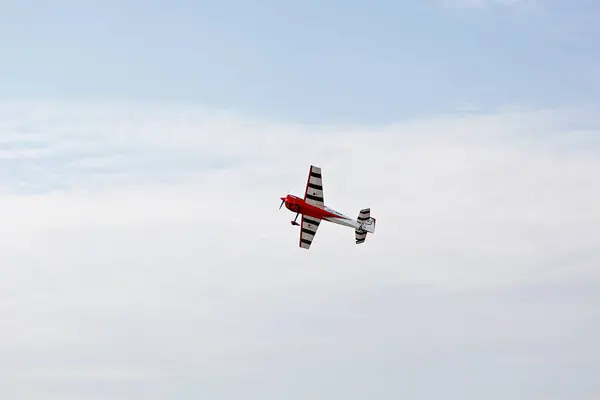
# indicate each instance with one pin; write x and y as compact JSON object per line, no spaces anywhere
{"x":313,"y":210}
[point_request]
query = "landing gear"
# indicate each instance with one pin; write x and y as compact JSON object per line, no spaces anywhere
{"x":294,"y":221}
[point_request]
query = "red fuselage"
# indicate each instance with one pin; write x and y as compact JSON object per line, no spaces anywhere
{"x":298,"y":205}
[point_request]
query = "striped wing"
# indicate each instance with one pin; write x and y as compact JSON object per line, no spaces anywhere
{"x":308,"y":230}
{"x":314,"y":188}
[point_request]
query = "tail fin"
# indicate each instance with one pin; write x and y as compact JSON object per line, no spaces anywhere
{"x":367,"y":225}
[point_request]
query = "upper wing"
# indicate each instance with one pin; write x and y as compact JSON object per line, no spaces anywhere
{"x":314,"y":188}
{"x":308,"y":230}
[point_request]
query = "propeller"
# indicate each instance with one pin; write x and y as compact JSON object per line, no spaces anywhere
{"x":283,"y":199}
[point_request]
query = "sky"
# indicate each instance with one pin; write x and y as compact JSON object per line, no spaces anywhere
{"x":144,"y":147}
{"x":305,"y":61}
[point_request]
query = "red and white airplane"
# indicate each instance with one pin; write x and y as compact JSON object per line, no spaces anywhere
{"x":313,"y":211}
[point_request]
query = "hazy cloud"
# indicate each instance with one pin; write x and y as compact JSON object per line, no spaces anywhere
{"x":143,"y":255}
{"x":488,"y":3}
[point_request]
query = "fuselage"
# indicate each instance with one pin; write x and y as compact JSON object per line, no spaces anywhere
{"x":298,"y":205}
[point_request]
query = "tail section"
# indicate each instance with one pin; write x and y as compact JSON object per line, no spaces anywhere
{"x":367,"y":225}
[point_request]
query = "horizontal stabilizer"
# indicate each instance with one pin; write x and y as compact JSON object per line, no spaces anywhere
{"x":367,"y":225}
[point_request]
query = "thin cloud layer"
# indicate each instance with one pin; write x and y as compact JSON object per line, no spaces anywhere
{"x":481,"y":4}
{"x":143,"y":254}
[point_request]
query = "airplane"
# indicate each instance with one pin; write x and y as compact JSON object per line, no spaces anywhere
{"x":313,"y":210}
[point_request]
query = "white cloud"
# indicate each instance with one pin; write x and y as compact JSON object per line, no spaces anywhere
{"x":151,"y":260}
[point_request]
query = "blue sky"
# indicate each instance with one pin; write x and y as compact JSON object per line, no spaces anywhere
{"x":309,"y":61}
